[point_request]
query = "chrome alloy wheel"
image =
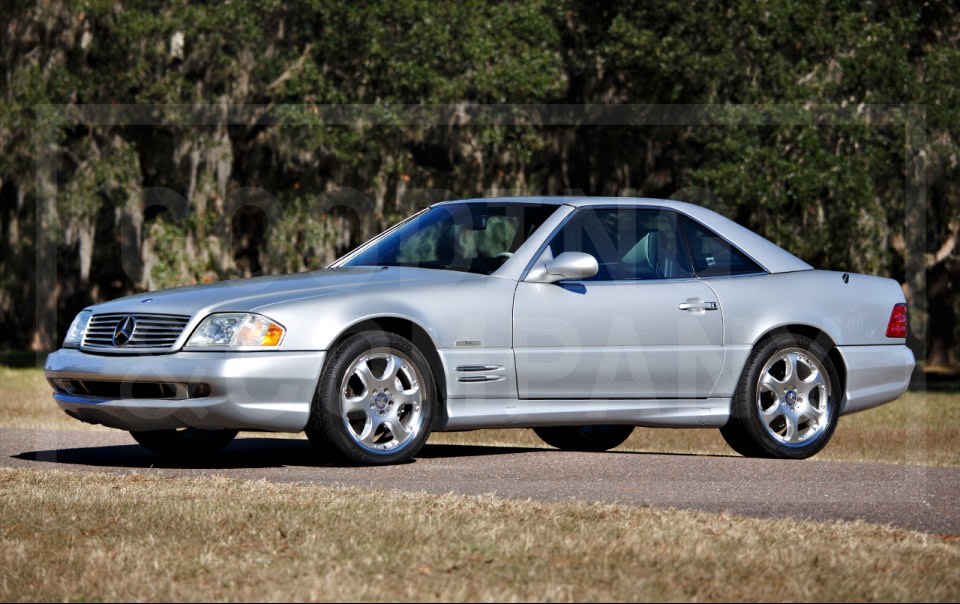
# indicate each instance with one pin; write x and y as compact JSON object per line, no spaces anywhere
{"x":793,"y":393}
{"x":381,"y":400}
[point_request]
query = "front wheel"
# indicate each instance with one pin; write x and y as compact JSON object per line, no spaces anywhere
{"x":584,"y":438}
{"x":787,"y":402}
{"x":184,"y":441}
{"x":375,"y":401}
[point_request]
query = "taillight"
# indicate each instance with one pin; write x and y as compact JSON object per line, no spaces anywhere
{"x":897,"y":327}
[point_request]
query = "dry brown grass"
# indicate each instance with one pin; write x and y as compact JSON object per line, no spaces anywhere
{"x":26,"y":401}
{"x":83,"y":536}
{"x":920,"y":428}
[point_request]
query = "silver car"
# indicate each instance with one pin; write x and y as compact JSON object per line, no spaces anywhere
{"x":578,"y":317}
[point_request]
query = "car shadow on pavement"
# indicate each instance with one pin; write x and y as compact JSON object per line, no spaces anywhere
{"x":257,"y":452}
{"x":443,"y":451}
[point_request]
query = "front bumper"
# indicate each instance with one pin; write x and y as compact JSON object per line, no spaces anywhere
{"x":244,"y":390}
{"x":875,"y":375}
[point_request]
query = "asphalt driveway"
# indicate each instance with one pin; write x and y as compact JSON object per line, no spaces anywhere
{"x":916,"y":497}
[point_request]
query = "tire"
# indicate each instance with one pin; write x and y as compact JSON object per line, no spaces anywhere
{"x":584,"y":438}
{"x":185,"y":441}
{"x":375,"y":402}
{"x":786,"y":405}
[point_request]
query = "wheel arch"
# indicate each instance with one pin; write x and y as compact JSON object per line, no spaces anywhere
{"x":820,"y":337}
{"x":413,"y":331}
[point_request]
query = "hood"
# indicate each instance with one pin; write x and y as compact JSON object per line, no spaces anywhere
{"x":243,"y":295}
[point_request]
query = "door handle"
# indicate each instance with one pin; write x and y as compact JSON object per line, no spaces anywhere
{"x":697,"y":305}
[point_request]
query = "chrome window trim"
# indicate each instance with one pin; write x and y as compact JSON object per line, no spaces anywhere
{"x":739,"y":276}
{"x":629,"y":281}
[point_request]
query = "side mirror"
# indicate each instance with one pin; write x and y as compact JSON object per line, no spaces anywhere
{"x":570,"y":266}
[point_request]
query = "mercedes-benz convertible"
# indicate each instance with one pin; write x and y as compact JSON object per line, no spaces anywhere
{"x":577,"y":317}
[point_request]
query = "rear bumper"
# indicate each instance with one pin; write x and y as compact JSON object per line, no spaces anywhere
{"x":875,"y":375}
{"x":248,"y":391}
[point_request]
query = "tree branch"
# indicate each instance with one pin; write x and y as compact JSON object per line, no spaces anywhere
{"x":947,"y":248}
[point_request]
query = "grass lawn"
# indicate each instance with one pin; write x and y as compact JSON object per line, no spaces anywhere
{"x":920,"y":428}
{"x":83,"y":536}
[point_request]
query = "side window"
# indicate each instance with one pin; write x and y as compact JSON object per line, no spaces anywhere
{"x":712,"y":255}
{"x":629,"y":244}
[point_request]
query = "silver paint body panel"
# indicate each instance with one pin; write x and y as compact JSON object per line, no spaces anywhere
{"x":252,"y":391}
{"x":598,"y":340}
{"x":514,"y":352}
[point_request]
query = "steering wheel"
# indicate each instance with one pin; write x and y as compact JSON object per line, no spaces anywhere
{"x":504,"y":255}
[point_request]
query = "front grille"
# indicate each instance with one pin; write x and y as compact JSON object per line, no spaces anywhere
{"x":149,"y":331}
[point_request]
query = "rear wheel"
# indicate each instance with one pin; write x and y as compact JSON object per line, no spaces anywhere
{"x":375,"y":401}
{"x":786,"y":404}
{"x":184,"y":441}
{"x":584,"y":438}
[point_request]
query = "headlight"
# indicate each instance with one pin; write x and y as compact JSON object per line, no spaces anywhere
{"x":236,"y":330}
{"x":75,"y":333}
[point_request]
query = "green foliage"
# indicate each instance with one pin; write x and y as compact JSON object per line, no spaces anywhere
{"x":179,"y":257}
{"x":831,"y":192}
{"x":811,"y":190}
{"x":300,"y":239}
{"x":112,"y":174}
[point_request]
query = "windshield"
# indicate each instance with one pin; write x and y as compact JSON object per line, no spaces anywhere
{"x":476,"y":237}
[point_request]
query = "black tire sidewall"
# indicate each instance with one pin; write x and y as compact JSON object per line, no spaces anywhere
{"x":745,"y":431}
{"x":326,"y":428}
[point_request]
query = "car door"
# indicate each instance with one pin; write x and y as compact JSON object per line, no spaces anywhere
{"x":643,"y":327}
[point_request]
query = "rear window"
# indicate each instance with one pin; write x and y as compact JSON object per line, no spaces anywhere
{"x":711,"y":254}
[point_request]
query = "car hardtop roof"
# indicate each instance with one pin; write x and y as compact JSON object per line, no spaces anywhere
{"x":577,"y":201}
{"x":769,"y":255}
